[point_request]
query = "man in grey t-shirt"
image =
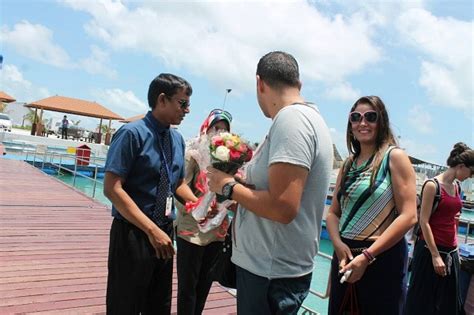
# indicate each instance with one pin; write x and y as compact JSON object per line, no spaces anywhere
{"x":277,"y":225}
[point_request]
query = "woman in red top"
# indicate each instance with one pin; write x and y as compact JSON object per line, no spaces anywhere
{"x":434,"y":283}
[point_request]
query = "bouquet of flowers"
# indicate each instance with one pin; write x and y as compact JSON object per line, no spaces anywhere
{"x":226,"y":152}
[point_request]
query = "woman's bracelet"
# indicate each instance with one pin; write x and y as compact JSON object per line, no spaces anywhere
{"x":369,"y":256}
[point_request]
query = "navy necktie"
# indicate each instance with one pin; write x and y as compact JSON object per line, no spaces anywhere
{"x":162,"y":191}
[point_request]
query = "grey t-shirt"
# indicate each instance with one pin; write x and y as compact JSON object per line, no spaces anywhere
{"x":298,"y":136}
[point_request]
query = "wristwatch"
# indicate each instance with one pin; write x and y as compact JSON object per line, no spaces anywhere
{"x":228,"y":189}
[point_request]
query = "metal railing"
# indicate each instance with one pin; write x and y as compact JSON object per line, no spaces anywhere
{"x":44,"y":155}
{"x":468,"y":226}
{"x":50,"y":157}
{"x":306,"y":309}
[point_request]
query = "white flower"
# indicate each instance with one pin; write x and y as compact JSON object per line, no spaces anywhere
{"x":222,"y":153}
{"x":225,"y":135}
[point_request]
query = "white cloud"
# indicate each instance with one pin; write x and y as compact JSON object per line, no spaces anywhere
{"x":35,"y":41}
{"x":342,"y":91}
{"x":426,"y":152}
{"x":447,"y":86}
{"x":124,"y":103}
{"x":446,"y":67}
{"x":211,"y":40}
{"x":14,"y":84}
{"x":420,"y":119}
{"x":97,"y":63}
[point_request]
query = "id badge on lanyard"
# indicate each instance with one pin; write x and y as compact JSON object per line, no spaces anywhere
{"x":169,"y":205}
{"x":169,"y":198}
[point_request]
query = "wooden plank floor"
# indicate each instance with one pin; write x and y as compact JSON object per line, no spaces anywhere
{"x":53,"y":248}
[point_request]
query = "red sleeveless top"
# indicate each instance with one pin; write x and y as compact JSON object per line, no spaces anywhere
{"x":442,"y":222}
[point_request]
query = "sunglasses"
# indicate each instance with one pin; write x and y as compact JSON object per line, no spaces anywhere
{"x":370,"y":116}
{"x":184,"y":104}
{"x":222,"y":112}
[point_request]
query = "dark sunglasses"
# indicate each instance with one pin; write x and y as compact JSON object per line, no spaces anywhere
{"x":221,"y":112}
{"x":184,"y":104}
{"x":370,"y":116}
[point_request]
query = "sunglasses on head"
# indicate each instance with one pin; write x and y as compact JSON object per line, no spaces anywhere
{"x":218,"y":111}
{"x":184,"y":104}
{"x":370,"y":116}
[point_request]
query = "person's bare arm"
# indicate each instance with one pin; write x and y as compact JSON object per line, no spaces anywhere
{"x":184,"y":192}
{"x":280,"y":203}
{"x":429,"y":193}
{"x":343,"y":251}
{"x":113,"y":189}
{"x":404,"y":193}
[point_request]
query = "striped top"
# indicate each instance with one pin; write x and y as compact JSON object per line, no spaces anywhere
{"x":366,"y":212}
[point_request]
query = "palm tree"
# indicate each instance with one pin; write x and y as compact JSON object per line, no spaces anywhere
{"x":3,"y":107}
{"x":30,"y":116}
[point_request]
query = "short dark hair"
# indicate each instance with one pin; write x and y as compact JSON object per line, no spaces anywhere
{"x":168,"y":84}
{"x":279,"y":69}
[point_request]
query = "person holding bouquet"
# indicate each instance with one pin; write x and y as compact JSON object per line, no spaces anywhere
{"x":196,"y":249}
{"x":277,"y":224}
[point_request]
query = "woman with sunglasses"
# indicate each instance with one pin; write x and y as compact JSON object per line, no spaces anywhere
{"x":434,"y":283}
{"x":374,"y":208}
{"x":197,"y":250}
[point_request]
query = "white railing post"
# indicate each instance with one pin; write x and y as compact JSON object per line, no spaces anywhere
{"x":95,"y":181}
{"x":75,"y":172}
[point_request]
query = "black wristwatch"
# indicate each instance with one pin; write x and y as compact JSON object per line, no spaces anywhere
{"x":228,"y":189}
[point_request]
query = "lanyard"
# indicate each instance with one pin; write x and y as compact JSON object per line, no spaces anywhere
{"x":165,"y":162}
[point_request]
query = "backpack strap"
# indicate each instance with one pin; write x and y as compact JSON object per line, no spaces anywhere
{"x":458,"y":186}
{"x":437,"y":196}
{"x":417,"y":229}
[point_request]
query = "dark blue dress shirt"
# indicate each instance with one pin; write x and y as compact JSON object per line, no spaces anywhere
{"x":134,"y":155}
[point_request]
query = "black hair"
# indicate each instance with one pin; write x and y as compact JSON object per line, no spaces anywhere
{"x":168,"y":84}
{"x":279,"y":69}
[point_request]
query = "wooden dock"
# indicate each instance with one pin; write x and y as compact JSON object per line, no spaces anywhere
{"x":54,"y":245}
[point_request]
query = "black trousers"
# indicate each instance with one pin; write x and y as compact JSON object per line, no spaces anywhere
{"x":64,"y":133}
{"x":138,"y":282}
{"x":194,"y":283}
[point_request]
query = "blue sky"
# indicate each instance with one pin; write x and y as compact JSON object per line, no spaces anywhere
{"x":416,"y":55}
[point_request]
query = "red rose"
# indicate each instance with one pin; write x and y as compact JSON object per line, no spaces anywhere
{"x":249,"y":155}
{"x":234,"y":154}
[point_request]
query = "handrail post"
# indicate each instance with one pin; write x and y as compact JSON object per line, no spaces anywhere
{"x":60,"y":163}
{"x":75,"y":172}
{"x":95,"y":182}
{"x":467,"y":232}
{"x":44,"y":158}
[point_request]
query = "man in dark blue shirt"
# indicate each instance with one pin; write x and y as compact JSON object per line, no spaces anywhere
{"x":144,"y":170}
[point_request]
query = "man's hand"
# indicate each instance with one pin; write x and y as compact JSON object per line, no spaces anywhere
{"x":217,"y":179}
{"x":162,"y":243}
